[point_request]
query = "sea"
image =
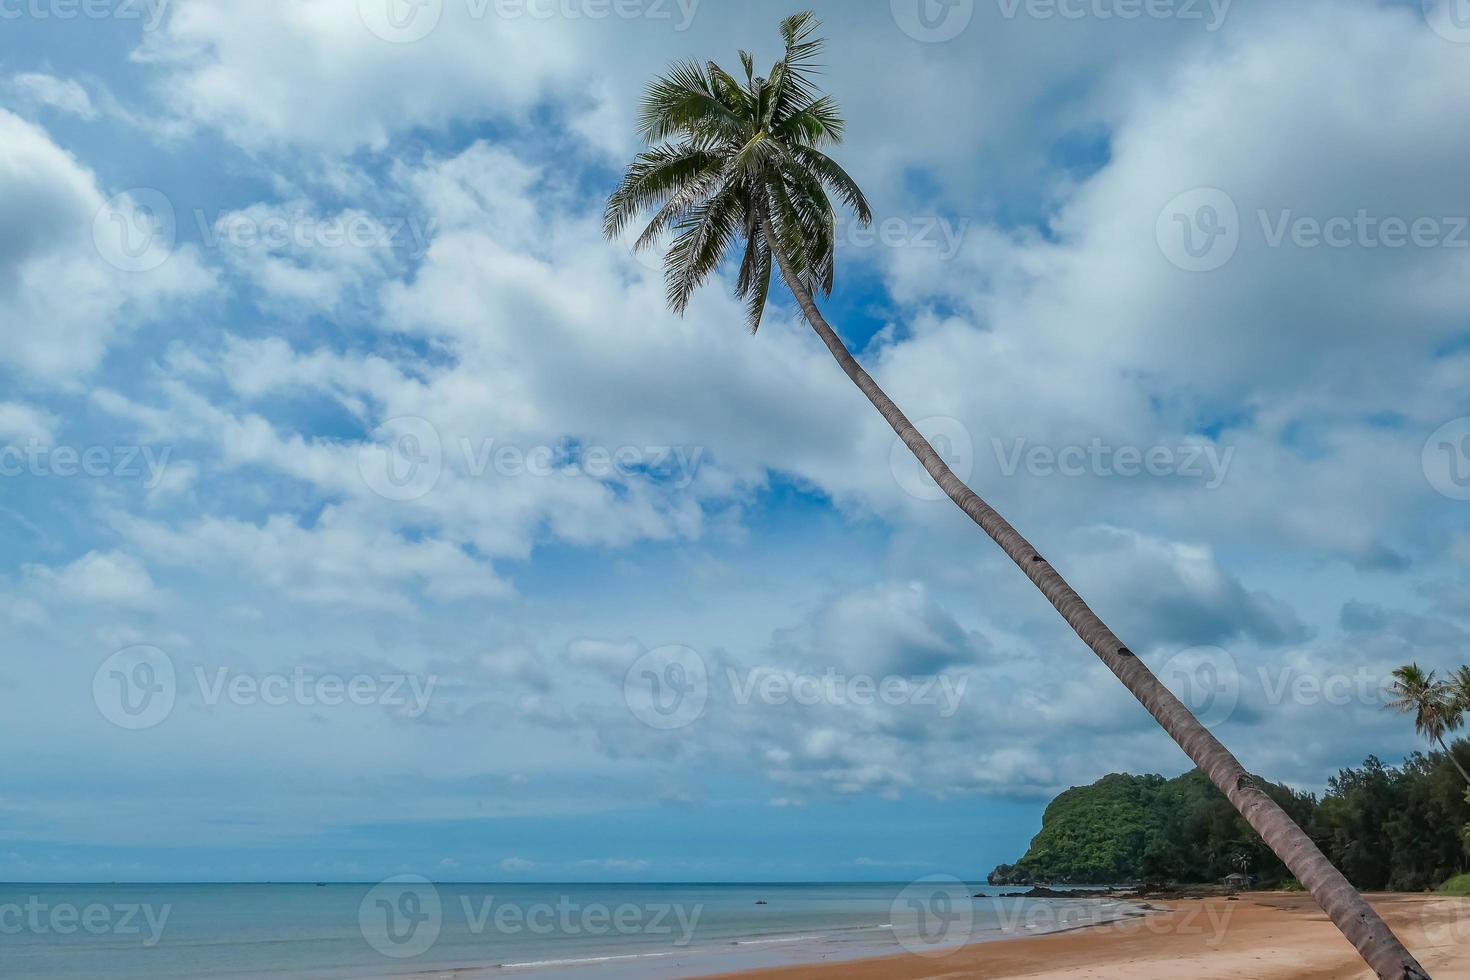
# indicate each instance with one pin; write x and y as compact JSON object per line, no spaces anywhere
{"x":410,"y":927}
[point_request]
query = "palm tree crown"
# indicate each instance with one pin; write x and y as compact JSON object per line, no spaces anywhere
{"x":1461,"y":684}
{"x":731,"y":161}
{"x":1431,"y":702}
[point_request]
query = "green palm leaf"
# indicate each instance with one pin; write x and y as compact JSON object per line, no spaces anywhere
{"x":723,"y":155}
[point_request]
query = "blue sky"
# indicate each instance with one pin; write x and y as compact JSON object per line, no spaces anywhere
{"x":367,"y":404}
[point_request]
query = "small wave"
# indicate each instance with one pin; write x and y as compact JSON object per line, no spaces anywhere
{"x":582,"y":961}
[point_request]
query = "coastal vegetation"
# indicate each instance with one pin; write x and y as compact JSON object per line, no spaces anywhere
{"x":736,"y":170}
{"x":1397,"y":828}
{"x":1438,"y":706}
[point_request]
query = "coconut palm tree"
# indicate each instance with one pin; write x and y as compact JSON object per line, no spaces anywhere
{"x":1461,"y":684}
{"x":1434,"y":704}
{"x":741,"y":160}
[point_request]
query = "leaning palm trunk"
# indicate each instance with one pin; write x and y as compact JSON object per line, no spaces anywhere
{"x":1363,"y":927}
{"x":1450,"y":752}
{"x":729,"y":160}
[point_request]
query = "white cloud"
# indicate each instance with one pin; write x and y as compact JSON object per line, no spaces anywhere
{"x":63,"y":94}
{"x":65,"y":294}
{"x":24,"y":424}
{"x":111,"y":577}
{"x":245,"y":69}
{"x":335,"y":561}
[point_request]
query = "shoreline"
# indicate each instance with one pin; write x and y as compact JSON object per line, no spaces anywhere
{"x":775,"y":953}
{"x":1259,"y":935}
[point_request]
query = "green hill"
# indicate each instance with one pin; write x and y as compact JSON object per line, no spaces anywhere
{"x":1135,"y":828}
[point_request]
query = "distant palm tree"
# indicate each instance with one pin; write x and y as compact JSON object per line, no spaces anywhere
{"x":731,"y":160}
{"x":1461,"y":684}
{"x":1434,"y":704}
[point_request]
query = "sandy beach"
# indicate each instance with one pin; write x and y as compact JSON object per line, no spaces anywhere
{"x":1262,"y":936}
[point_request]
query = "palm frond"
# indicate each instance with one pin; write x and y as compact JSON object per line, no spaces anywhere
{"x":657,"y":175}
{"x":816,"y":124}
{"x":754,"y":283}
{"x":704,"y":237}
{"x":835,"y":178}
{"x":793,"y":79}
{"x":732,"y":160}
{"x":686,"y":102}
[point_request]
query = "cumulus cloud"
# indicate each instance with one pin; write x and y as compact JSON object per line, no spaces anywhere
{"x":111,"y":578}
{"x":76,"y":270}
{"x":785,"y":544}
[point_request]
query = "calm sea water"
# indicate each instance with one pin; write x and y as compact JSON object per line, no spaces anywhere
{"x":408,"y":927}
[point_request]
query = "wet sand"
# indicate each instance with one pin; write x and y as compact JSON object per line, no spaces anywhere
{"x":1262,"y":936}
